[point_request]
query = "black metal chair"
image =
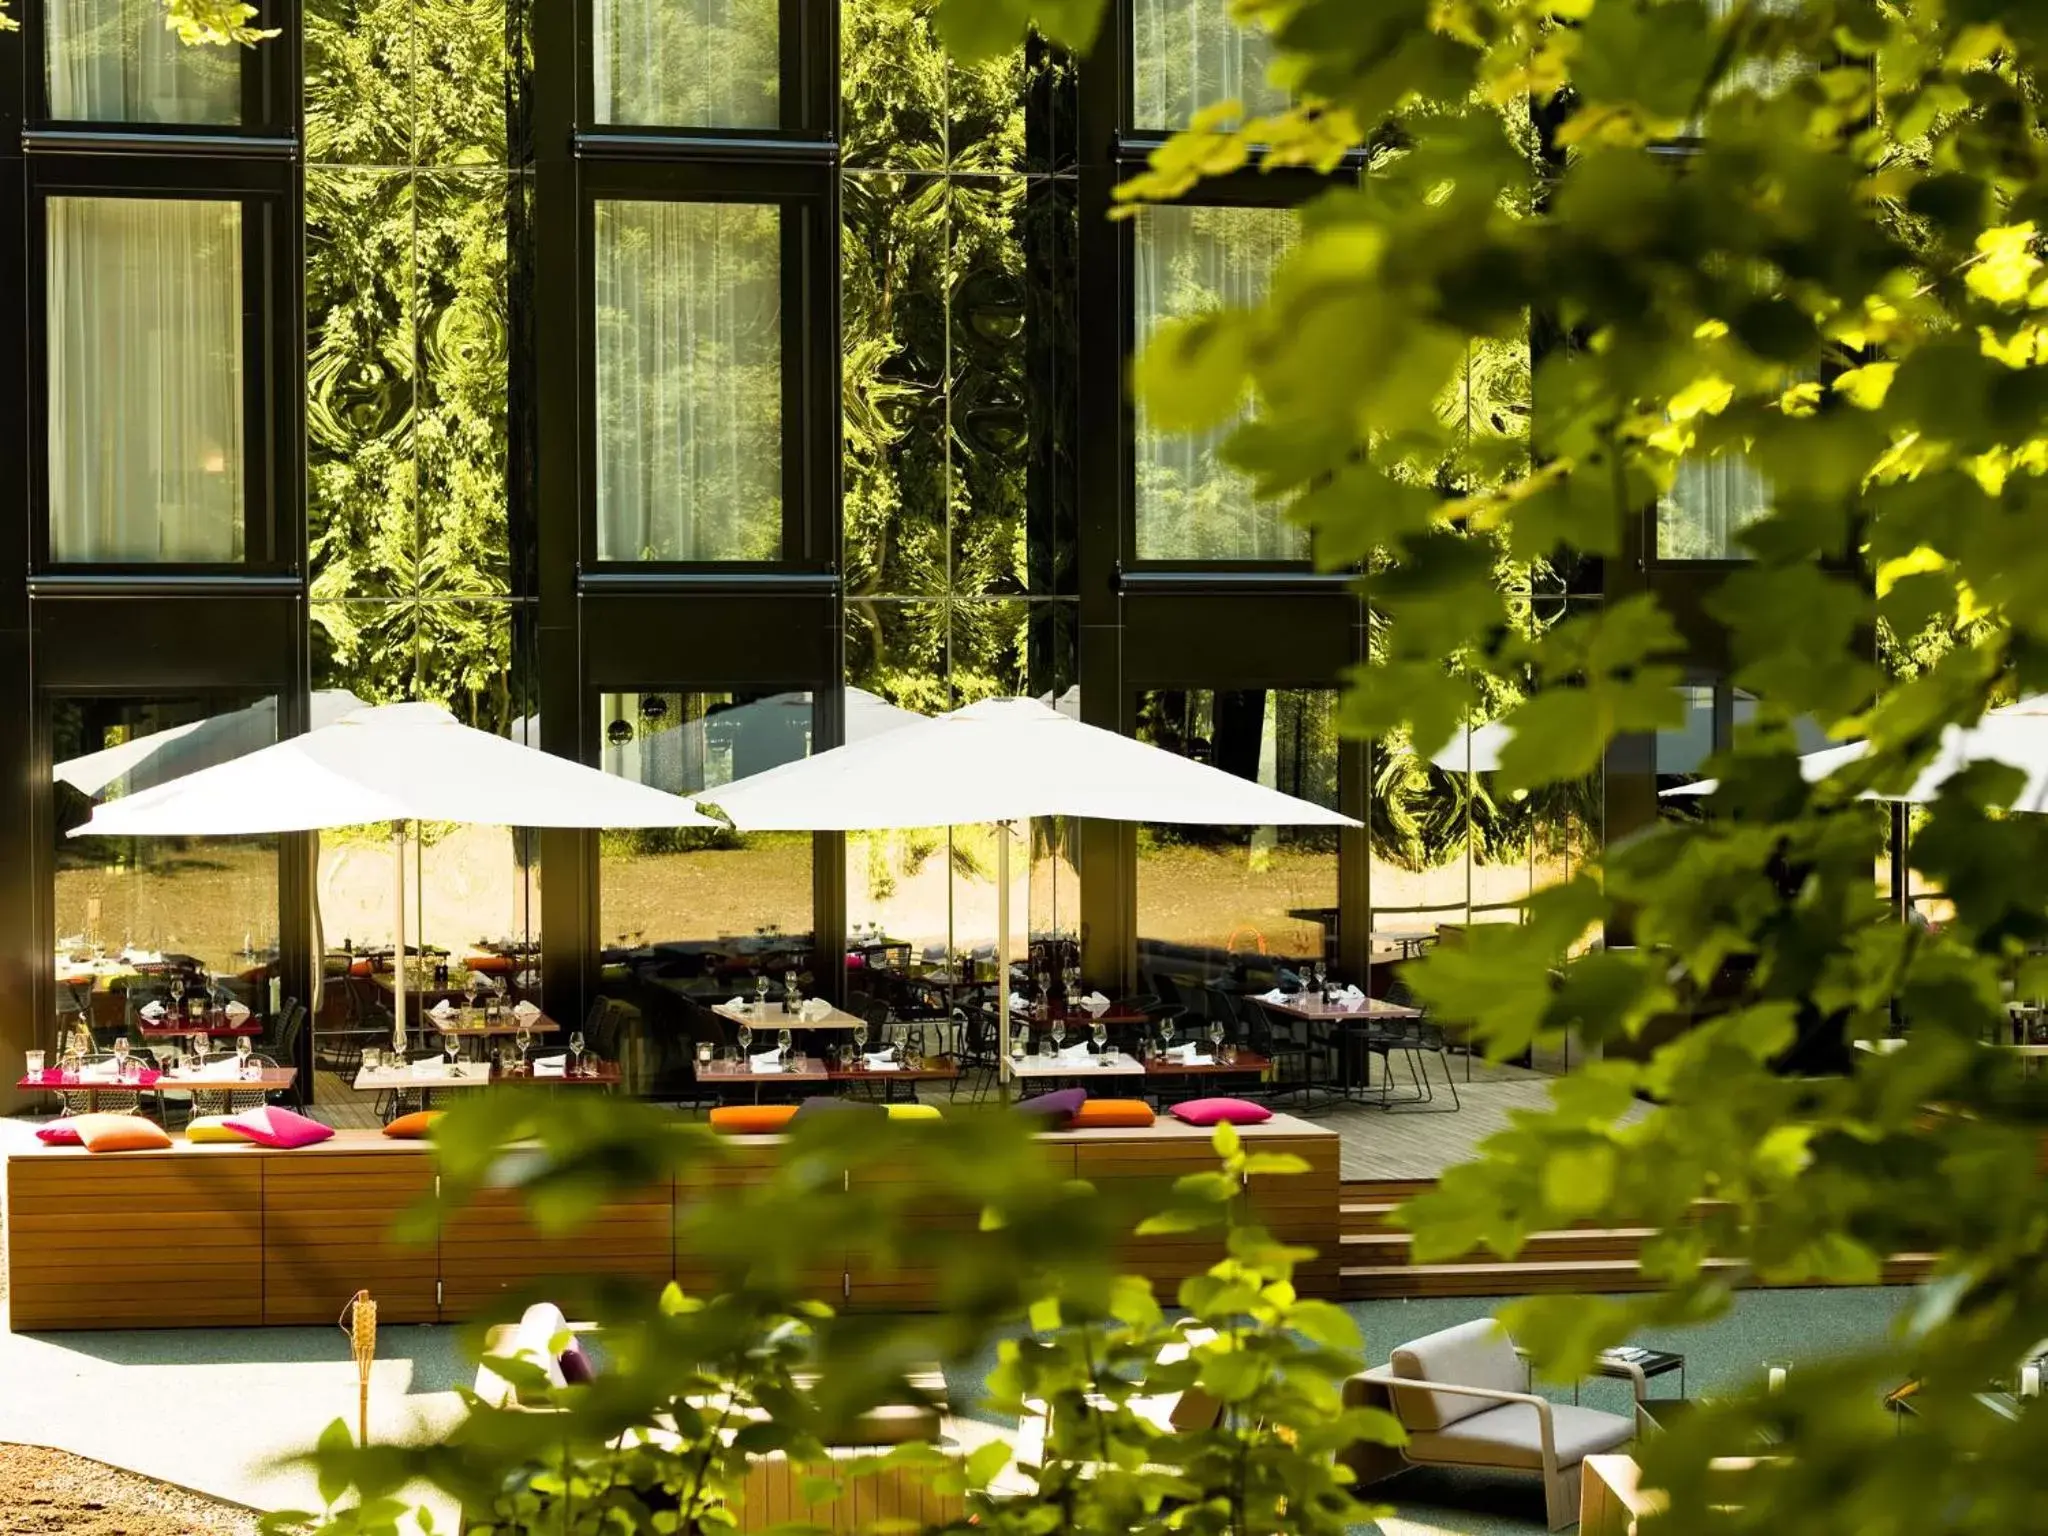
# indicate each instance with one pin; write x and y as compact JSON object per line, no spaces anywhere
{"x":978,"y":1031}
{"x":1278,"y":1044}
{"x":1430,"y":1036}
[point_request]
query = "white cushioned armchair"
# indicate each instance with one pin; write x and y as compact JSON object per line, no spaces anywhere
{"x":1479,"y":1412}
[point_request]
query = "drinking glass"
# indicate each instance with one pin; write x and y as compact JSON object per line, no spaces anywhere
{"x":746,"y":1038}
{"x":1017,"y":1043}
{"x":1059,"y":1033}
{"x":451,"y":1048}
{"x":33,"y":1060}
{"x":862,"y":1034}
{"x":761,"y":992}
{"x":242,"y":1052}
{"x":507,"y":1059}
{"x":1216,"y":1032}
{"x":199,"y":1045}
{"x":789,"y":988}
{"x":1045,"y":1044}
{"x":1099,"y":1033}
{"x":703,"y":1050}
{"x":576,"y":1052}
{"x":782,"y":1041}
{"x":372,"y":1058}
{"x":524,"y":1039}
{"x":121,"y":1057}
{"x":1165,"y":1034}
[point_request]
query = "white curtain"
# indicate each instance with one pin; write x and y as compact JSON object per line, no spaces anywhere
{"x":686,"y":63}
{"x":114,"y":61}
{"x":1711,"y":500}
{"x":1190,"y":505}
{"x":1190,"y":55}
{"x":689,"y":381}
{"x":144,"y":305}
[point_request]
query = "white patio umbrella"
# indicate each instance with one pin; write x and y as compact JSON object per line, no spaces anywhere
{"x":1475,"y":749}
{"x":148,"y":761}
{"x":2016,"y":735}
{"x":1004,"y":761}
{"x":395,"y":763}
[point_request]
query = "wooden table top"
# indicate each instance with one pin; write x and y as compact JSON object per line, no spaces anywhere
{"x":1337,"y":1013}
{"x":216,"y":1027}
{"x":797,"y":1069}
{"x":1247,"y":1061}
{"x":475,"y":1026}
{"x":1037,"y":1013}
{"x":595,"y":1074}
{"x":52,"y":1080}
{"x":772,"y":1017}
{"x":1109,"y":1064}
{"x":938,"y":1069}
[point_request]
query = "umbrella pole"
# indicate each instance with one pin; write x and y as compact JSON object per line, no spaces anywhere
{"x":398,"y":958}
{"x":1003,"y":830}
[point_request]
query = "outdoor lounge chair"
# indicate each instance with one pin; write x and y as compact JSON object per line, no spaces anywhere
{"x":1479,"y":1412}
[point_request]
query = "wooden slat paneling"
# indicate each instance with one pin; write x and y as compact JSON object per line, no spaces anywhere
{"x":328,"y":1229}
{"x":489,"y":1247}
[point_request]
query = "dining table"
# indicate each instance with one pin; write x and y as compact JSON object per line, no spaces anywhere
{"x":761,"y":1017}
{"x":217,"y":1026}
{"x":164,"y":1084}
{"x":1051,"y":1069}
{"x":1341,"y":1017}
{"x":738,"y":1074}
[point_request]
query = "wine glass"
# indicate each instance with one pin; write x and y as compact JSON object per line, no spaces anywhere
{"x":746,"y":1038}
{"x":576,"y":1051}
{"x":1059,"y":1033}
{"x":472,"y":994}
{"x":1165,"y":1035}
{"x":243,"y":1048}
{"x":1215,"y":1035}
{"x":863,"y":1033}
{"x":789,"y":990}
{"x":1099,"y":1033}
{"x":506,"y":1058}
{"x":1017,"y":1047}
{"x":121,"y":1057}
{"x":524,"y":1039}
{"x":451,"y":1049}
{"x":199,"y":1047}
{"x":760,"y":992}
{"x":178,"y":992}
{"x":782,"y":1041}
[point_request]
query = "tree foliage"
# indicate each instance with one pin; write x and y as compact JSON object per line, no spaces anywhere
{"x":223,"y":23}
{"x":1807,"y":232}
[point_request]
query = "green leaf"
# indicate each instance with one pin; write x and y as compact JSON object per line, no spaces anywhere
{"x":332,"y":1454}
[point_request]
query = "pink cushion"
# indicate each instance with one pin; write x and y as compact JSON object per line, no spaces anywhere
{"x":59,"y":1133}
{"x":271,"y":1126}
{"x":1221,"y":1112}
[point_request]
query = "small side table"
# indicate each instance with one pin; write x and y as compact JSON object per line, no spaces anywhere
{"x":1641,"y":1370}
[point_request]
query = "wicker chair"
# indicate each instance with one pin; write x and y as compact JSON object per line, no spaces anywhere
{"x":232,"y":1101}
{"x":105,"y":1101}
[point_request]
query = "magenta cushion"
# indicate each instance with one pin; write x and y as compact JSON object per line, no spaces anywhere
{"x":1056,"y":1107}
{"x":272,"y":1126}
{"x":1221,"y":1112}
{"x":59,"y":1133}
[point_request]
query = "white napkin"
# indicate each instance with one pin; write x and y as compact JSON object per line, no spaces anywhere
{"x":237,"y":1012}
{"x":525,"y":1010}
{"x":529,"y":978}
{"x":1075,"y":1054}
{"x":1096,"y":1004}
{"x":224,"y":1070}
{"x":1274,"y":996}
{"x":1018,"y":1001}
{"x":99,"y":1072}
{"x":434,"y":1067}
{"x":550,"y":1066}
{"x":142,"y":956}
{"x":152,"y":1011}
{"x":767,"y":1061}
{"x":443,"y":1009}
{"x":1185,"y":1054}
{"x":739,"y":1003}
{"x":814,"y":1008}
{"x":882,"y":1063}
{"x":1349,"y":994}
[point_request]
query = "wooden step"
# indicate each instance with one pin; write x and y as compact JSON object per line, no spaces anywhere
{"x":1573,"y":1243}
{"x":1588,"y":1276}
{"x":1366,"y":1215}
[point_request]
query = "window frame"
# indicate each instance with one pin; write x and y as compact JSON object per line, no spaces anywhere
{"x":806,"y":91}
{"x":810,"y":373}
{"x":269,"y":94}
{"x":271,"y":359}
{"x":1126,"y":24}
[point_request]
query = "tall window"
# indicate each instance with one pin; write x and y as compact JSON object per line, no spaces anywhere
{"x":144,"y":307}
{"x":114,"y":61}
{"x":133,"y":914}
{"x":1187,"y":55}
{"x":689,"y":381}
{"x":686,"y":63}
{"x":1710,"y":502}
{"x":1190,"y":505}
{"x":1214,"y":898}
{"x":690,"y":911}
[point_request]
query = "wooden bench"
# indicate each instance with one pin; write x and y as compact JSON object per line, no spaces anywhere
{"x":214,"y":1235}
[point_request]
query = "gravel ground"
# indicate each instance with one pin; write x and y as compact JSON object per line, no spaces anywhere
{"x":44,"y":1491}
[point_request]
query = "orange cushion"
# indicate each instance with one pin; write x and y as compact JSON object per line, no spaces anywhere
{"x":1101,"y":1113}
{"x":413,"y":1127}
{"x":120,"y":1133}
{"x":751,"y":1119}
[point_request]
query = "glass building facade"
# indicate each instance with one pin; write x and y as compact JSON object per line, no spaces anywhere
{"x":670,"y":384}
